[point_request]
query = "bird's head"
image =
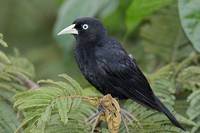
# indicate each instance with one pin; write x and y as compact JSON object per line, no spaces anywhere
{"x":85,"y":28}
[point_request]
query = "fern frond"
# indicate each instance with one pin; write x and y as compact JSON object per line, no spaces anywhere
{"x":8,"y":118}
{"x":150,"y":121}
{"x":53,"y":98}
{"x":163,"y":84}
{"x":193,"y":109}
{"x":4,"y":59}
{"x":2,"y":42}
{"x":189,"y":78}
{"x":11,"y":69}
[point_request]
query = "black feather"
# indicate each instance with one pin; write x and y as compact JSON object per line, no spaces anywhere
{"x":168,"y":114}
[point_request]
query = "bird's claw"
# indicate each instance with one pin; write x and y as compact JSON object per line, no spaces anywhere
{"x":94,"y":117}
{"x":127,"y":117}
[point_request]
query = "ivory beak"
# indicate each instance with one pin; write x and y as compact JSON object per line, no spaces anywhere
{"x":69,"y":30}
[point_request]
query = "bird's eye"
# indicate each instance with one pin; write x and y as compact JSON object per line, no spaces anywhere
{"x":85,"y":26}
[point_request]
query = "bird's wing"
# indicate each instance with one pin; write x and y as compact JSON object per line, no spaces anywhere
{"x":122,"y":75}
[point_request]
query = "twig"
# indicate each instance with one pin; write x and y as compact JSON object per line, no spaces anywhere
{"x":27,"y":82}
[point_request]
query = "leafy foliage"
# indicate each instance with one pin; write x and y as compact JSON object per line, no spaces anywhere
{"x":193,"y":110}
{"x":14,"y":72}
{"x":171,"y":37}
{"x":61,"y":103}
{"x":53,"y":102}
{"x":150,"y":121}
{"x":8,"y":119}
{"x":2,"y":42}
{"x":136,"y":12}
{"x":189,"y":78}
{"x":62,"y":100}
{"x":163,"y":83}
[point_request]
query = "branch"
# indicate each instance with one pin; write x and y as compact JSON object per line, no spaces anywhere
{"x":27,"y":82}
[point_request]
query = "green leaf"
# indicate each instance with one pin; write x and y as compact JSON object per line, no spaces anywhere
{"x":190,"y":19}
{"x":150,"y":121}
{"x":23,"y":66}
{"x":44,"y":119}
{"x":75,"y":84}
{"x":52,"y":98}
{"x":139,"y":9}
{"x":193,"y":109}
{"x":169,"y":43}
{"x":73,"y":126}
{"x":8,"y":119}
{"x":4,"y":58}
{"x":91,"y":91}
{"x":63,"y":109}
{"x":189,"y":78}
{"x":108,"y":8}
{"x":3,"y":43}
{"x":163,"y":84}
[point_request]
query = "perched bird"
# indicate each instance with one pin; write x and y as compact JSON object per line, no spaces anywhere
{"x":107,"y":66}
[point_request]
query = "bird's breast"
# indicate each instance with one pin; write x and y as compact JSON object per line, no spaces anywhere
{"x":86,"y":61}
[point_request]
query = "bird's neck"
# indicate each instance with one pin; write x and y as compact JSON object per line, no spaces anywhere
{"x":85,"y":49}
{"x":92,"y":39}
{"x":84,"y":54}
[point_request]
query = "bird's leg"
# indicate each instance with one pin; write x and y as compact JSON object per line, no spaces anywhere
{"x":125,"y":116}
{"x":95,"y":116}
{"x":125,"y":123}
{"x":95,"y":122}
{"x":92,"y":118}
{"x":129,"y":117}
{"x":110,"y":111}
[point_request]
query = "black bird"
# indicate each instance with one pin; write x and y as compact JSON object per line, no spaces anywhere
{"x":108,"y":67}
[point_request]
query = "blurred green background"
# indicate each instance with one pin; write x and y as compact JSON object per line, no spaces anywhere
{"x":152,"y":35}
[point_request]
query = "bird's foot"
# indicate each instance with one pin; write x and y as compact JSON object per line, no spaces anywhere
{"x":95,"y":116}
{"x":94,"y":119}
{"x":128,"y":118}
{"x":110,"y":112}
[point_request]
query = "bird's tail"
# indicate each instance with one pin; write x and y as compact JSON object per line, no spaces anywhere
{"x":171,"y":117}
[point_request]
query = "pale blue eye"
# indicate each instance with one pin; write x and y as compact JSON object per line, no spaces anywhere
{"x":85,"y":26}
